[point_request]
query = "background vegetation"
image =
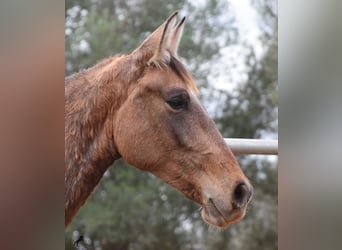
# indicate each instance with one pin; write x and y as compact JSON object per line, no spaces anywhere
{"x":133,"y":210}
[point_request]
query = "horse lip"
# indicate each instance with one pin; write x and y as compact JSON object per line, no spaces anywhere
{"x":213,"y":205}
{"x":218,"y":218}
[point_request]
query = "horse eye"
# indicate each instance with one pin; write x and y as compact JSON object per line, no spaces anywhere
{"x":178,"y":101}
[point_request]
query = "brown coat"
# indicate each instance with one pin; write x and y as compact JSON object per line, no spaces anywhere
{"x":144,"y":108}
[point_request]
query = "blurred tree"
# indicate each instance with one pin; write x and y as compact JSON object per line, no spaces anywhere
{"x":253,"y":108}
{"x":98,"y":29}
{"x":134,"y":210}
{"x":251,"y":111}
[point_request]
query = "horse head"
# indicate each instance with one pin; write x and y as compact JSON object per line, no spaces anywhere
{"x":162,"y":128}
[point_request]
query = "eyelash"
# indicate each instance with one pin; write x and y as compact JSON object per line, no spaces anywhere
{"x":177,"y":102}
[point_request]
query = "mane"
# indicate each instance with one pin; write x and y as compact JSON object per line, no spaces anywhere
{"x":183,"y":73}
{"x":100,"y":64}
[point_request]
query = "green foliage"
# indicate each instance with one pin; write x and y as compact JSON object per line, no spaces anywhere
{"x":131,"y":209}
{"x":252,"y":108}
{"x":250,"y":112}
{"x":112,"y":27}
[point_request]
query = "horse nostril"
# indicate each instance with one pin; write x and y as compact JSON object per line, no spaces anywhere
{"x":242,"y":194}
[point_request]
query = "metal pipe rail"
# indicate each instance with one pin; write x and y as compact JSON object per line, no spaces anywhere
{"x":252,"y":146}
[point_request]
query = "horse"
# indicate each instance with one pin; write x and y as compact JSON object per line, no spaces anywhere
{"x":144,"y":107}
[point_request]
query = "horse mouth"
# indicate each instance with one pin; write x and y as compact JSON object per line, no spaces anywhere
{"x":219,"y":216}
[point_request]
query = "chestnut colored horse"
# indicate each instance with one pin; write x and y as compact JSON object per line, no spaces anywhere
{"x":143,"y":107}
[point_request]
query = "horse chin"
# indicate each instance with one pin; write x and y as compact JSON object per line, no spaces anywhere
{"x":214,"y":216}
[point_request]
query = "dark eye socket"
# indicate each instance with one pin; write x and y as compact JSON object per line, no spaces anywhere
{"x":178,"y":99}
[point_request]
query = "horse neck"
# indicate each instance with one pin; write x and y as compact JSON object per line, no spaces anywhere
{"x":92,"y":98}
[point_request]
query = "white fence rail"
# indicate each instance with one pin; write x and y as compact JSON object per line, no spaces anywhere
{"x":253,"y":146}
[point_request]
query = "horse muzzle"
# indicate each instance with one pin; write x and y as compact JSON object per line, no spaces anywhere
{"x":222,"y":213}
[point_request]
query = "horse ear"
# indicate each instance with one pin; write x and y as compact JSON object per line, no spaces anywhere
{"x":175,"y":37}
{"x":158,"y":47}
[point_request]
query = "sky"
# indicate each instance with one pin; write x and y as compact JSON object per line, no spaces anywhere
{"x":246,"y":17}
{"x":231,"y":67}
